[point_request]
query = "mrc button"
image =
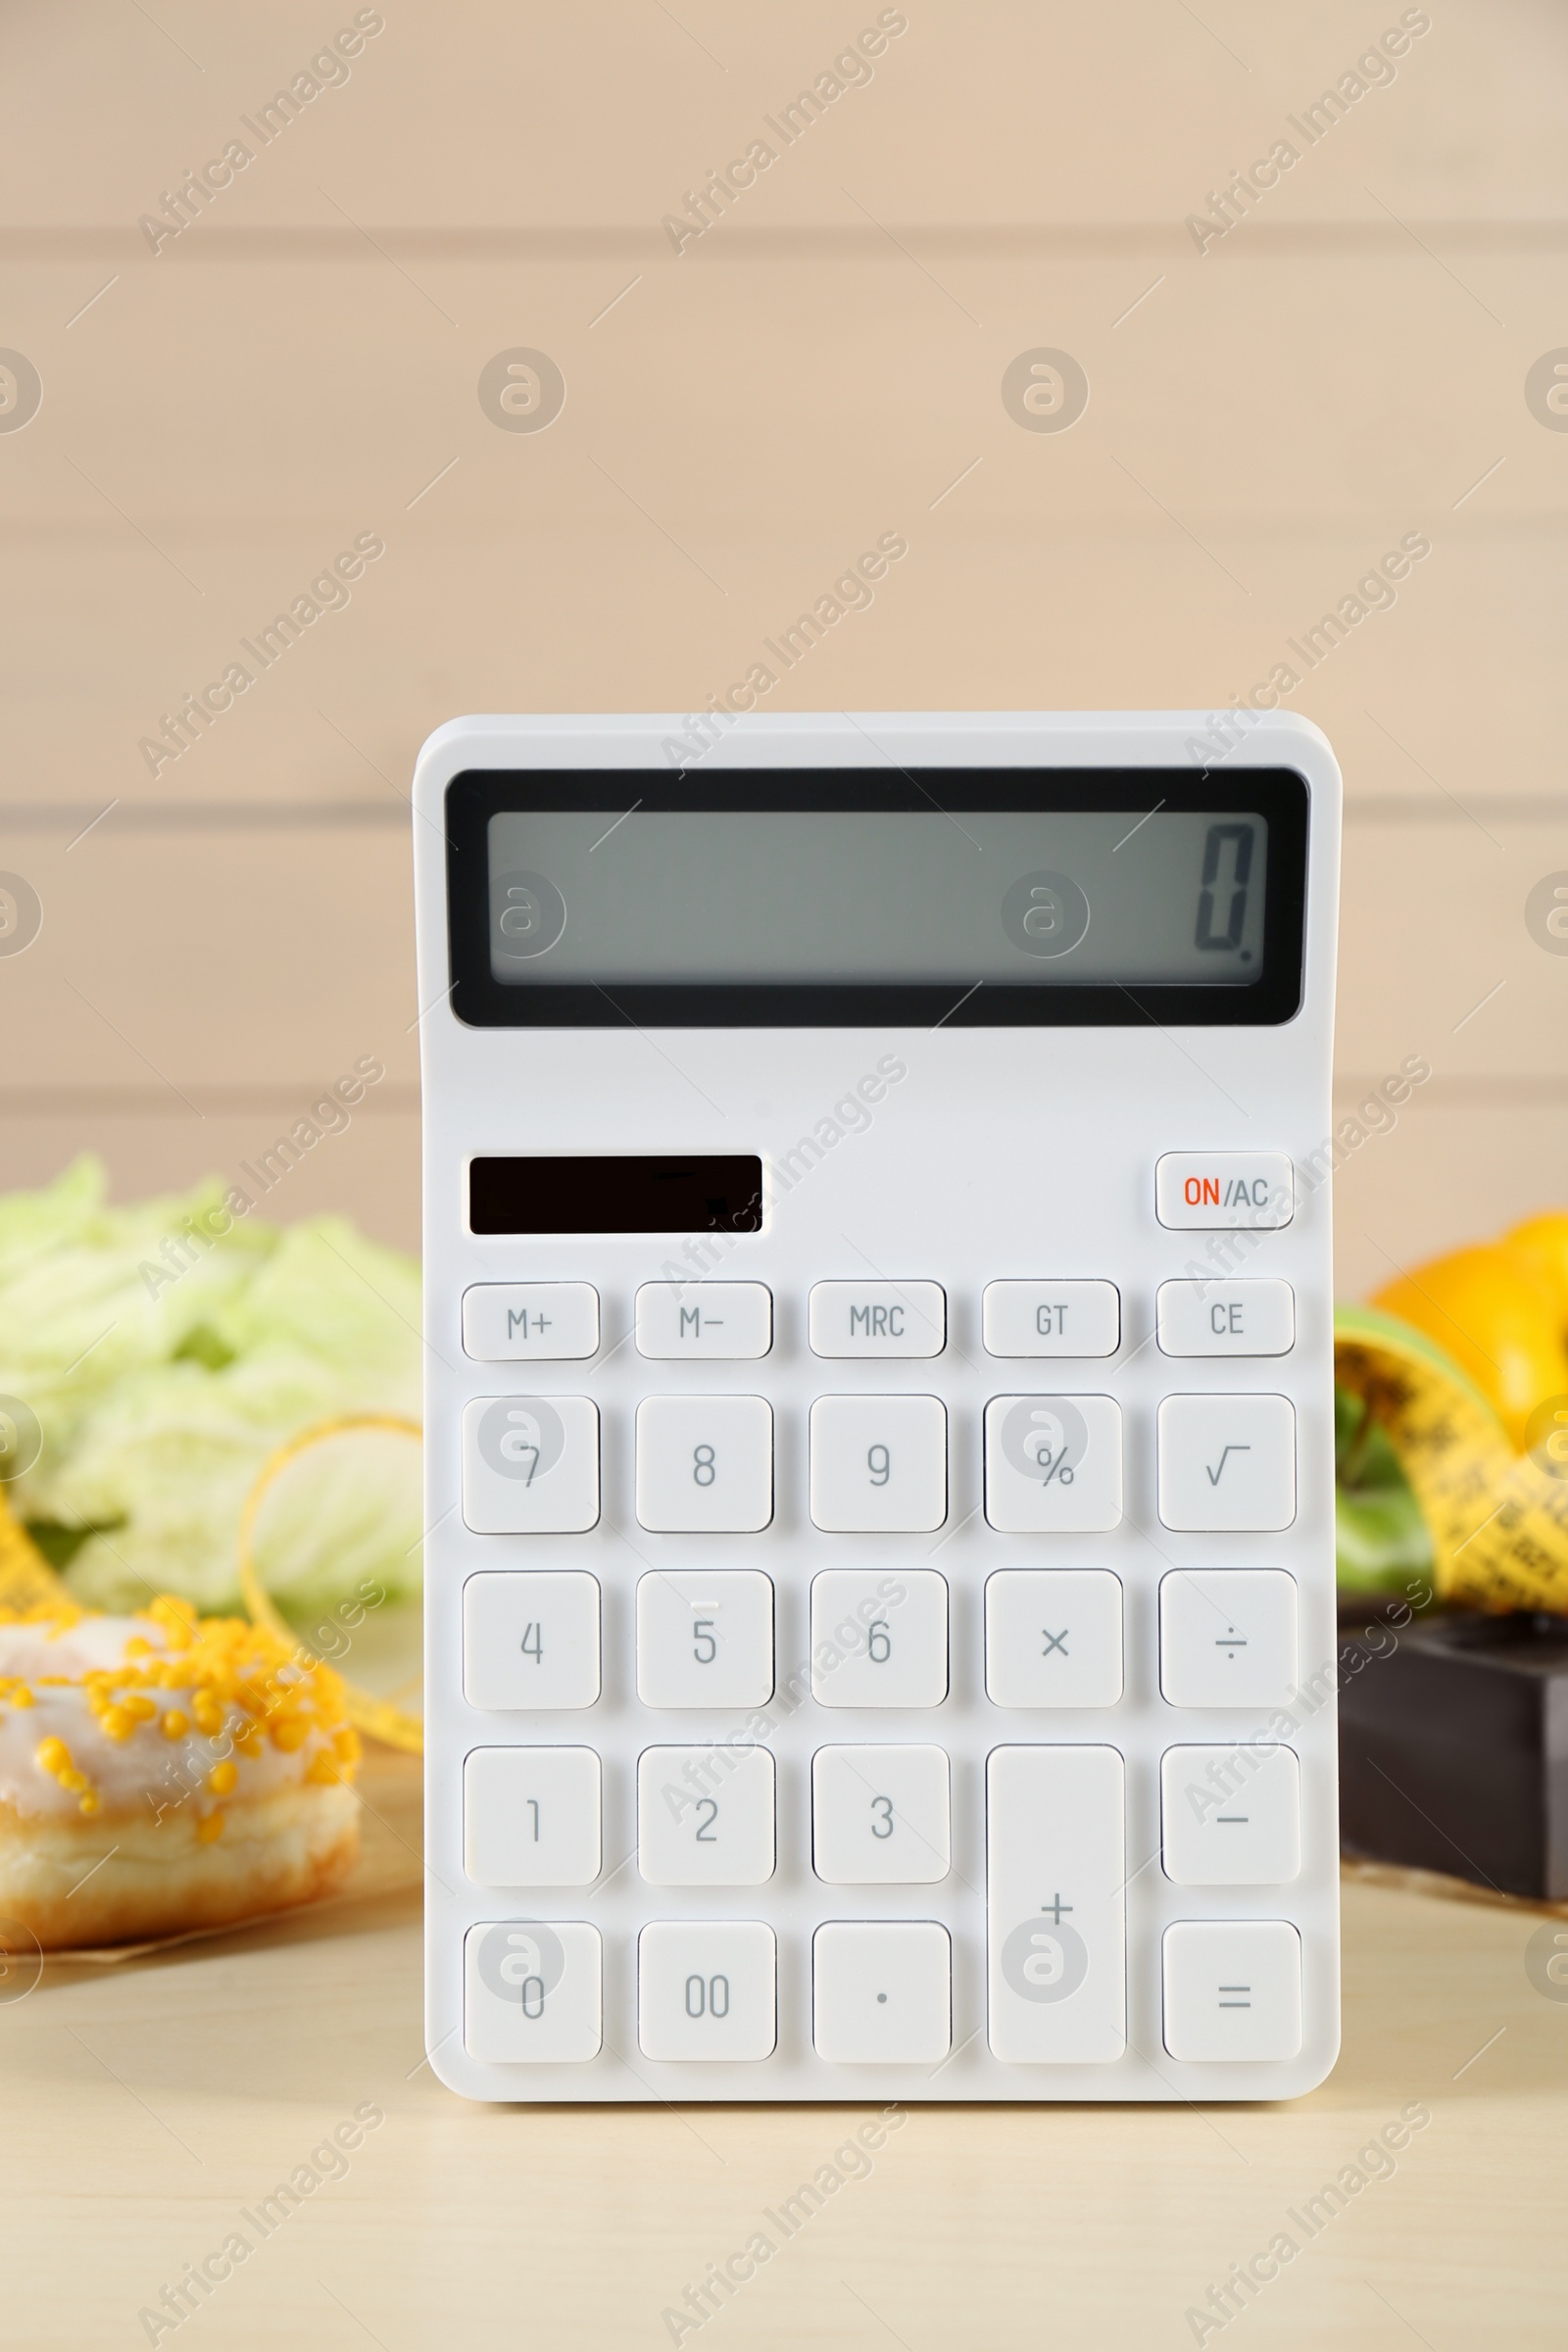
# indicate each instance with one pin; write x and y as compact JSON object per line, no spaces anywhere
{"x":877,"y":1318}
{"x":1224,"y":1188}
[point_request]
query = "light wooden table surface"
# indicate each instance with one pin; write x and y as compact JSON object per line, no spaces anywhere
{"x":149,"y":2108}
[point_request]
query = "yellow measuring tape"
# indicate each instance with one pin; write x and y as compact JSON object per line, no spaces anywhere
{"x":377,"y":1717}
{"x":1499,"y":1520}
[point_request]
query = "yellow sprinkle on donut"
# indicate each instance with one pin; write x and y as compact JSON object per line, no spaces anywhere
{"x":216,"y":1676}
{"x":54,"y":1757}
{"x":175,"y":1619}
{"x":59,"y":1614}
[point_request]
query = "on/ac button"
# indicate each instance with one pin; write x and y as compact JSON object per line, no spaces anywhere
{"x":1194,"y":1189}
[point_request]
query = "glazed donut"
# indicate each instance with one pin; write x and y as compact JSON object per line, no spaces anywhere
{"x":162,"y":1771}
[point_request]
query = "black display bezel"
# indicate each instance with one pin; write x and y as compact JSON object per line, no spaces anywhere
{"x":1278,"y":794}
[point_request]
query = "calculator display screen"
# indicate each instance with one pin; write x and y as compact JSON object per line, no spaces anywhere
{"x":821,"y":898}
{"x":1033,"y":898}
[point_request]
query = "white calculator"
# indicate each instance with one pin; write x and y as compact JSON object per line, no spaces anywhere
{"x":880,"y":1623}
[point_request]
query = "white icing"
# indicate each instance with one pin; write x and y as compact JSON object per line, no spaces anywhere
{"x":145,"y":1772}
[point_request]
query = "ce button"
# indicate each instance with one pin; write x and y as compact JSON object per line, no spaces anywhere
{"x":1226,"y":1318}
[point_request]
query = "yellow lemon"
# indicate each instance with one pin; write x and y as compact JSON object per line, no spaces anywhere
{"x":1540,"y":1247}
{"x":1498,"y":1317}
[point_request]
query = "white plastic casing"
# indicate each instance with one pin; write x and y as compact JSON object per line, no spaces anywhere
{"x":999,"y":1154}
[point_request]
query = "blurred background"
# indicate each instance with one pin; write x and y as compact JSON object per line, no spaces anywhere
{"x":467,"y":296}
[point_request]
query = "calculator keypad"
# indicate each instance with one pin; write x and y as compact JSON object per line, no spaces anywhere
{"x":713,"y":1812}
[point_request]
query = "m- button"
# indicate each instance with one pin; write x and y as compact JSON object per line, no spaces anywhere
{"x":713,"y":1319}
{"x":1197,"y":1188}
{"x":877,"y":1318}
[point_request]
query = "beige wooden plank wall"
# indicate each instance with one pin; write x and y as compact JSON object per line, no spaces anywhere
{"x":300,"y":366}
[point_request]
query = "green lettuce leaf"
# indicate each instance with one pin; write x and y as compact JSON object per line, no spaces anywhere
{"x":1382,"y":1539}
{"x":166,"y":1368}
